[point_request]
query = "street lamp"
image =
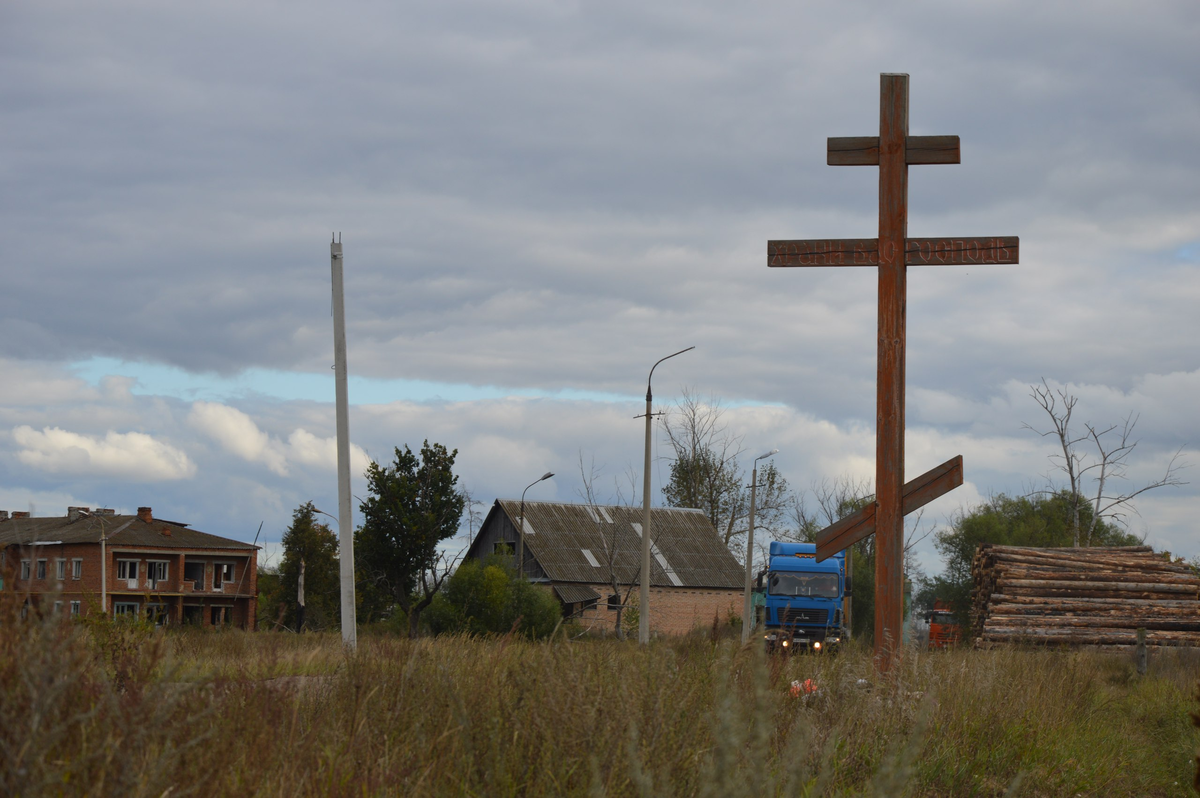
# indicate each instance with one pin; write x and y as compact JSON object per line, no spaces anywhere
{"x":104,"y":556}
{"x":521,"y":528}
{"x":644,"y":595}
{"x":748,"y":605}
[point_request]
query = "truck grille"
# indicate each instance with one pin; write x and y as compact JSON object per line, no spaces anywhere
{"x":808,"y":617}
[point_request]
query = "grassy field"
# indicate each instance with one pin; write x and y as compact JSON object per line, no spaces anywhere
{"x":118,"y":710}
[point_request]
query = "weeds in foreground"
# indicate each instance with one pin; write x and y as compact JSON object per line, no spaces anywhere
{"x":276,"y":714}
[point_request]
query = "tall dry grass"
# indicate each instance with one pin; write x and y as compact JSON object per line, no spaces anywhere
{"x":117,"y":710}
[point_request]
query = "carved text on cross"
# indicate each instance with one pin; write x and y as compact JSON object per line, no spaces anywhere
{"x":892,"y":252}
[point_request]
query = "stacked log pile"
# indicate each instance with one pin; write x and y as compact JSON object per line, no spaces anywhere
{"x":1085,"y":596}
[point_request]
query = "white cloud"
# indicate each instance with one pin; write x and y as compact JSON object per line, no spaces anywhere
{"x":128,"y":455}
{"x":238,"y":433}
{"x":304,"y":447}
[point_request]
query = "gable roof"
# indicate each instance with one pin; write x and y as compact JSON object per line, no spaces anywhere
{"x":685,"y":549}
{"x":121,"y":530}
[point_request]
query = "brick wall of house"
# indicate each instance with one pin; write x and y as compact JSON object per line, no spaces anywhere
{"x":86,"y":589}
{"x":673,"y":610}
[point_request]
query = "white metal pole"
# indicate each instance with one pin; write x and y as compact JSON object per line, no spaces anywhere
{"x":103,"y":572}
{"x":644,"y":593}
{"x":748,"y":603}
{"x":345,"y":529}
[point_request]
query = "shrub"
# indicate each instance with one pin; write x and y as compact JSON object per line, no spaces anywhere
{"x":490,"y":598}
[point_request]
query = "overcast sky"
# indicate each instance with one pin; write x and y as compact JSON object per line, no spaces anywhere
{"x":538,"y":200}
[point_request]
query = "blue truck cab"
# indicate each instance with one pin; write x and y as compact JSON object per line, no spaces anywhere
{"x":803,"y":598}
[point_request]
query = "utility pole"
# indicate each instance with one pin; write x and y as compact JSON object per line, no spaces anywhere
{"x":748,"y":605}
{"x":345,"y":531}
{"x":644,"y":594}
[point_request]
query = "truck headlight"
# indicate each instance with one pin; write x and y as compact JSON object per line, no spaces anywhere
{"x":785,"y":642}
{"x":817,"y":645}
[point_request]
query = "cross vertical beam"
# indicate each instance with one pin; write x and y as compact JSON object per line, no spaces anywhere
{"x":889,"y":440}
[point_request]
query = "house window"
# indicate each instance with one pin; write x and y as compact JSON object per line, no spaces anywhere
{"x":614,"y":602}
{"x":156,"y":571}
{"x":41,"y":569}
{"x":126,"y":608}
{"x":503,"y":547}
{"x":222,"y":573}
{"x":75,"y":608}
{"x":128,"y":570}
{"x":57,"y":607}
{"x":194,"y":572}
{"x":25,"y":570}
{"x":76,"y":568}
{"x":60,"y":569}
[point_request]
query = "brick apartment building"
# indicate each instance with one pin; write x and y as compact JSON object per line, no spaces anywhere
{"x":575,"y":548}
{"x":94,"y":560}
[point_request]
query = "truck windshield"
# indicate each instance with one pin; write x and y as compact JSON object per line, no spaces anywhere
{"x":784,"y":583}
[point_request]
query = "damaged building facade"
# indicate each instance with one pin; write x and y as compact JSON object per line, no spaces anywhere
{"x":93,"y":560}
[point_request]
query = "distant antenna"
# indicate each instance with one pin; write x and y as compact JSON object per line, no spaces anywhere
{"x":345,"y":531}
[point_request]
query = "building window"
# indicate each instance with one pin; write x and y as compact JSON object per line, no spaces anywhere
{"x":614,"y":602}
{"x":41,"y":569}
{"x":194,"y":572}
{"x":156,"y":571}
{"x":222,"y":572}
{"x":25,"y":570}
{"x":75,"y":608}
{"x":128,"y":570}
{"x":57,"y":607}
{"x":127,"y":608}
{"x":60,"y":570}
{"x":76,"y":568}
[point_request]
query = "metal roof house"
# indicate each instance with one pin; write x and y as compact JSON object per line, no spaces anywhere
{"x":577,"y":549}
{"x":98,"y":561}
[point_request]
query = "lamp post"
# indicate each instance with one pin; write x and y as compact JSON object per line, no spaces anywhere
{"x":521,"y":528}
{"x":104,"y":556}
{"x":644,"y":594}
{"x":748,"y":604}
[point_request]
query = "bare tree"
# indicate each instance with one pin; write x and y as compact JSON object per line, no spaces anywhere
{"x":1113,"y":445}
{"x":474,"y":517}
{"x":837,"y":498}
{"x":705,"y":474}
{"x":607,"y":533}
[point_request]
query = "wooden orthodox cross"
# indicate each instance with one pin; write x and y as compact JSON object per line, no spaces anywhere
{"x":893,"y":252}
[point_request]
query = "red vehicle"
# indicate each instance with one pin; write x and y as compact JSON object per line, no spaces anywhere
{"x":944,"y":630}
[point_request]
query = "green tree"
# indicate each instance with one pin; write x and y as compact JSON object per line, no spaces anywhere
{"x":413,"y":506}
{"x":270,"y":597}
{"x":488,"y":597}
{"x":309,"y":541}
{"x":1044,"y":521}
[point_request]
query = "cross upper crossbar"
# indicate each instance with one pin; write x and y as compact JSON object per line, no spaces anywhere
{"x":864,"y":150}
